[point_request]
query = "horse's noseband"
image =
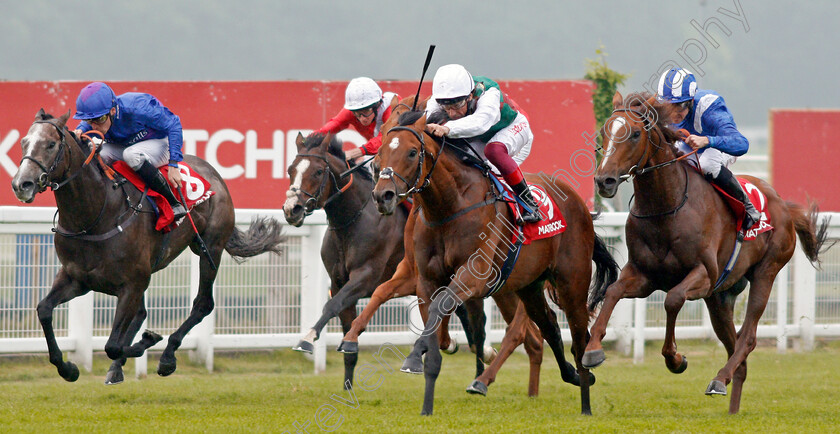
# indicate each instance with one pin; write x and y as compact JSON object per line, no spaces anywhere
{"x":44,"y":178}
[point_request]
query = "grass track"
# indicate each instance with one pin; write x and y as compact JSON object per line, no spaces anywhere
{"x":269,"y":391}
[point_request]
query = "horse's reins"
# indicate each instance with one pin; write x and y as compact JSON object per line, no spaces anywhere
{"x":635,"y":170}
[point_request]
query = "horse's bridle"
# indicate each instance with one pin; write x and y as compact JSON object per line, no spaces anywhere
{"x":44,"y":179}
{"x":412,"y":188}
{"x":311,"y":204}
{"x":635,"y":170}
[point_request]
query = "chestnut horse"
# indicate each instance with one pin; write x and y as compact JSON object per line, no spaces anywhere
{"x":106,"y":241}
{"x":680,"y":235}
{"x":458,"y":205}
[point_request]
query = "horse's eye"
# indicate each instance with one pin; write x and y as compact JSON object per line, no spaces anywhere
{"x":636,"y":135}
{"x":412,"y":153}
{"x":51,"y":145}
{"x":319,"y":172}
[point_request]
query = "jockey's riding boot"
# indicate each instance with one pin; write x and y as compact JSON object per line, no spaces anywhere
{"x":155,"y":180}
{"x":727,"y":181}
{"x":524,"y":193}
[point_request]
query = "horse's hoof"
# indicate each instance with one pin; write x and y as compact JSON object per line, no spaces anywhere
{"x":304,"y":347}
{"x":593,"y":359}
{"x":69,"y":371}
{"x":151,"y":338}
{"x":348,"y":347}
{"x":477,"y":388}
{"x":114,"y":377}
{"x":716,"y":388}
{"x":683,"y":366}
{"x":412,"y":365}
{"x":453,"y":347}
{"x":489,"y":355}
{"x":166,"y":368}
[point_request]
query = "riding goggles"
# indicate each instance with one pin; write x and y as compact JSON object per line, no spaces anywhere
{"x":99,"y":120}
{"x":452,"y":103}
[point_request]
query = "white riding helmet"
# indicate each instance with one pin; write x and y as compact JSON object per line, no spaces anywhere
{"x":452,"y":81}
{"x":361,"y":92}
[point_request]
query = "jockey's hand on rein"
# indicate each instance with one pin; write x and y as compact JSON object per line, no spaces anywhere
{"x":437,"y":130}
{"x":697,"y":142}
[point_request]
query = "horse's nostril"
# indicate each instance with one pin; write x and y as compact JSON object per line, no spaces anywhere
{"x":609,"y":182}
{"x":26,"y":185}
{"x":297,"y":209}
{"x":388,"y":196}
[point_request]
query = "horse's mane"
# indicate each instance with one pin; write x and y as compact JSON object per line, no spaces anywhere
{"x":335,"y":148}
{"x":659,"y":113}
{"x":409,"y":118}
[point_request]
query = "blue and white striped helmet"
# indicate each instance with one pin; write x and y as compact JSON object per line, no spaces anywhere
{"x":676,"y":85}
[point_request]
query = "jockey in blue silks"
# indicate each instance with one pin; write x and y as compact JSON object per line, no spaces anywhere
{"x":712,"y":130}
{"x":139,"y":130}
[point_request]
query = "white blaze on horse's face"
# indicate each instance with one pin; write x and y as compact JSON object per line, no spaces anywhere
{"x":614,"y":129}
{"x":395,"y":143}
{"x":32,"y":137}
{"x":291,"y":194}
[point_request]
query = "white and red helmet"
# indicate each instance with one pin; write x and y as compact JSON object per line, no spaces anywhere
{"x":361,"y":92}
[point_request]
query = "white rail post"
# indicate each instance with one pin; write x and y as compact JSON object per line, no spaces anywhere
{"x":781,"y":309}
{"x":313,"y":290}
{"x":622,"y":317}
{"x":141,"y":364}
{"x":804,"y":298}
{"x":80,"y":329}
{"x":639,"y":320}
{"x":203,"y":331}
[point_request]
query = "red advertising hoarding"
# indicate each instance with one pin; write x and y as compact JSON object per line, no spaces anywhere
{"x":246,"y":130}
{"x":805,"y":156}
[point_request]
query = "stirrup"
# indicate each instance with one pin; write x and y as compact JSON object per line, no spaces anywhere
{"x":178,"y":211}
{"x":530,"y":217}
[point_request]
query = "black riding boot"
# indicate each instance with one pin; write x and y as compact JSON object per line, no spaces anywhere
{"x":155,"y":180}
{"x":524,"y":193}
{"x":727,"y":181}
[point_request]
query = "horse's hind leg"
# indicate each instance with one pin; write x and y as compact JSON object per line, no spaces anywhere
{"x":63,"y":290}
{"x":475,"y":308}
{"x":721,"y":306}
{"x":760,"y":287}
{"x":203,"y":304}
{"x":514,"y":314}
{"x":347,"y":316}
{"x":537,"y":308}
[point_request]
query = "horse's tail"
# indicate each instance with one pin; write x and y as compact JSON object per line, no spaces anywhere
{"x":606,"y":272}
{"x":264,"y":235}
{"x":812,"y":235}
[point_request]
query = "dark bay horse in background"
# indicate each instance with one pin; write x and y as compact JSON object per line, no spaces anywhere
{"x":107,"y":243}
{"x":445,"y":255}
{"x":680,"y":235}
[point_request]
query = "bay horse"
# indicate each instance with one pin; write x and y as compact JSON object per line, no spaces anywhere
{"x":361,"y":248}
{"x":458,"y":206}
{"x":680,"y":234}
{"x":106,"y":242}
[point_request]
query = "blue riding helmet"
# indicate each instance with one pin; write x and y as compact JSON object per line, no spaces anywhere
{"x":95,"y":100}
{"x":676,"y":85}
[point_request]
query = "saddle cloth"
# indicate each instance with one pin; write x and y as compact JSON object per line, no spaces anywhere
{"x":552,"y":222}
{"x":196,"y":190}
{"x":759,"y":202}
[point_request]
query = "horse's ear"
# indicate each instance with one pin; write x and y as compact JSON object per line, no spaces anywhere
{"x":420,"y":124}
{"x":325,"y":144}
{"x":299,"y":141}
{"x":617,"y":100}
{"x":63,"y":119}
{"x":40,"y":115}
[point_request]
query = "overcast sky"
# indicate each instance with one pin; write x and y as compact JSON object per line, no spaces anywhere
{"x":757,"y":54}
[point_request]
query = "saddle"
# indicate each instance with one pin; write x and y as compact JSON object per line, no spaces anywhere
{"x":196,"y":190}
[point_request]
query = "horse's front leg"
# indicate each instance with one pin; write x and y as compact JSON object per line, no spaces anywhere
{"x":694,"y":285}
{"x":442,"y":305}
{"x":401,"y":284}
{"x":630,"y":284}
{"x":129,"y":304}
{"x":63,"y":290}
{"x":344,"y":297}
